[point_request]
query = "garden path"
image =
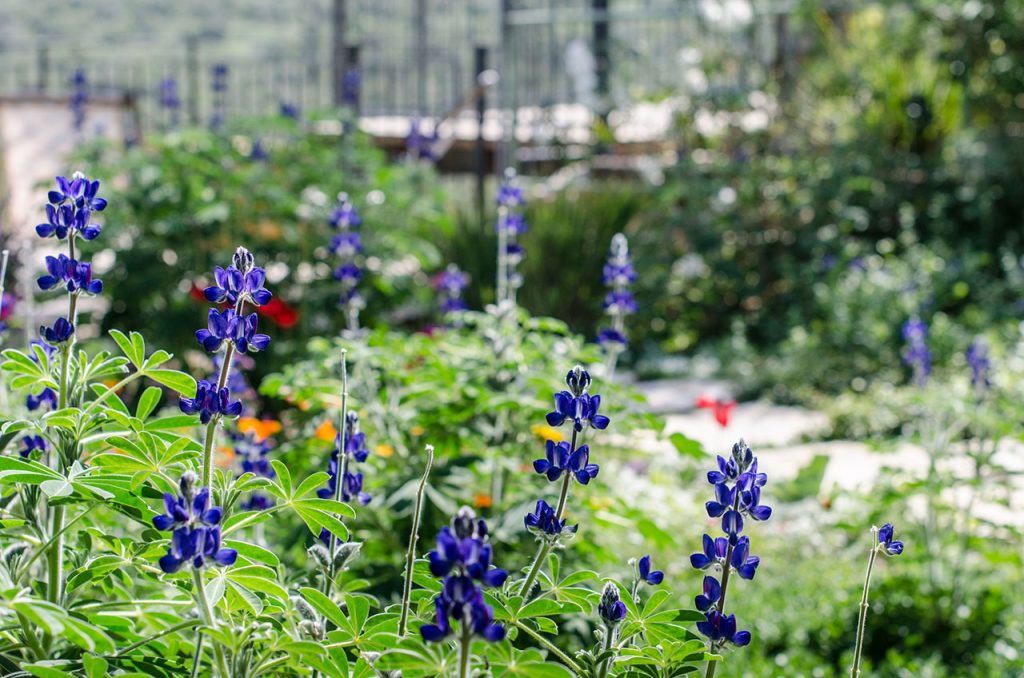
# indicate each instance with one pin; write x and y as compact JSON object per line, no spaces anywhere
{"x":783,"y":437}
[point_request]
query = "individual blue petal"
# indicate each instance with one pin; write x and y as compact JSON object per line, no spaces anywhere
{"x":226,"y":557}
{"x":432,"y":633}
{"x":494,"y":633}
{"x":170,"y":564}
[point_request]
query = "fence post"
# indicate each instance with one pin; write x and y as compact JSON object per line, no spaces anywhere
{"x":602,"y":52}
{"x":338,"y":44}
{"x":192,"y":73}
{"x":353,"y":85}
{"x":42,"y":69}
{"x":421,"y":57}
{"x":480,"y":65}
{"x":505,"y":157}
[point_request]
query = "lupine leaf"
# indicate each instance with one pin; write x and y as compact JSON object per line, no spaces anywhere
{"x":325,"y":606}
{"x":183,"y":383}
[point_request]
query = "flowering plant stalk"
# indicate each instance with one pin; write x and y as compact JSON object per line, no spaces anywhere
{"x":347,"y":245}
{"x":618,"y":275}
{"x":881,"y":541}
{"x":737,"y":484}
{"x":510,"y":226}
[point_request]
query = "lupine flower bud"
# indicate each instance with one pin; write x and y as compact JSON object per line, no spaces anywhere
{"x":346,"y":553}
{"x":578,"y":380}
{"x":304,"y":609}
{"x":243,"y":260}
{"x":321,"y":555}
{"x":611,"y":608}
{"x":312,"y":629}
{"x":187,"y":485}
{"x":464,"y":523}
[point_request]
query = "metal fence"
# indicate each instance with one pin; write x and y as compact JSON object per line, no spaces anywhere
{"x":417,"y":57}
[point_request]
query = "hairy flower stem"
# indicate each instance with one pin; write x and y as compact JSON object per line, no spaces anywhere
{"x":465,"y":649}
{"x":726,"y":571}
{"x":545,"y":546}
{"x":342,"y":467}
{"x":211,"y":621}
{"x":862,"y":619}
{"x":211,"y":428}
{"x":551,"y":647}
{"x":414,"y":535}
{"x":609,"y":638}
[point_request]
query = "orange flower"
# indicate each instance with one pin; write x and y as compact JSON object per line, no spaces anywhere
{"x":326,"y":431}
{"x":226,"y":457}
{"x":384,"y":450}
{"x":261,"y":428}
{"x":483,"y":501}
{"x":545,"y":432}
{"x":416,"y":430}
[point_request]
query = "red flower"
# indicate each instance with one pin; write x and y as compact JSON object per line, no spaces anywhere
{"x":280,"y":313}
{"x":722,"y":409}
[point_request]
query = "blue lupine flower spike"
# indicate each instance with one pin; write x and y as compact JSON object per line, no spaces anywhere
{"x":463,"y":558}
{"x":737,"y":486}
{"x":195,"y":528}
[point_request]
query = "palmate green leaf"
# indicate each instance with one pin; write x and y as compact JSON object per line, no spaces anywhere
{"x":17,"y":362}
{"x":507,"y":661}
{"x":183,"y":383}
{"x":417,"y":659}
{"x":133,"y":347}
{"x":18,"y":470}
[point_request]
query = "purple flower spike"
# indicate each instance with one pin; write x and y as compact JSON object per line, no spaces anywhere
{"x":463,"y":558}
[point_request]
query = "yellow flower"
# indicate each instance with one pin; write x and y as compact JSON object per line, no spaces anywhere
{"x":545,"y":432}
{"x":416,"y":430}
{"x":261,"y":428}
{"x":384,"y":450}
{"x":599,"y":503}
{"x":326,"y":431}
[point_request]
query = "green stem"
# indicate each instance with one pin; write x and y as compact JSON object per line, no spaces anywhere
{"x":545,"y":547}
{"x":538,"y":562}
{"x":341,"y":468}
{"x":551,"y":647}
{"x":55,"y":556}
{"x":609,"y":636}
{"x":465,"y":650}
{"x":211,"y":428}
{"x":159,"y":634}
{"x":410,"y":556}
{"x":45,"y":547}
{"x":112,"y":389}
{"x":726,"y":571}
{"x":211,"y":621}
{"x":862,"y":619}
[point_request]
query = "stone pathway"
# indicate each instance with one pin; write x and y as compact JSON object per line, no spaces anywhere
{"x":783,"y":437}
